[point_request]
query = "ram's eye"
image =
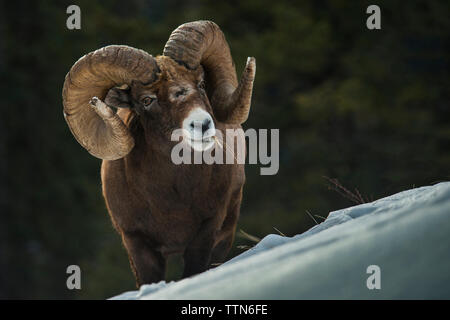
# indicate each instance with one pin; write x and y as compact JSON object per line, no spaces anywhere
{"x":180,"y":92}
{"x":201,"y":85}
{"x":146,"y":101}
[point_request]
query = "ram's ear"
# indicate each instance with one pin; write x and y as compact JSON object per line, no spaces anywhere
{"x":119,"y":97}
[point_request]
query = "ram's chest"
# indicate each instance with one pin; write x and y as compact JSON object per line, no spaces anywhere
{"x":169,"y":205}
{"x":202,"y":190}
{"x":180,"y":203}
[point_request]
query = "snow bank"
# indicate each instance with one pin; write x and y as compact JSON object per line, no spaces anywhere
{"x":407,"y":235}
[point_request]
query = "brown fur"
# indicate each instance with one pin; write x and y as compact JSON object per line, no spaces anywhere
{"x":160,"y":208}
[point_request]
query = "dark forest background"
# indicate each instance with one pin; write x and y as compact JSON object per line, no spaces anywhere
{"x":369,"y":108}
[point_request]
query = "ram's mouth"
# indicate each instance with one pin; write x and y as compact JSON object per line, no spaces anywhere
{"x":202,"y":144}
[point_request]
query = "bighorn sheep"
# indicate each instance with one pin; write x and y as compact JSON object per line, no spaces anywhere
{"x":160,"y":208}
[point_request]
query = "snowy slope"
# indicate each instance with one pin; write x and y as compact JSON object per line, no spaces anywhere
{"x":407,"y":235}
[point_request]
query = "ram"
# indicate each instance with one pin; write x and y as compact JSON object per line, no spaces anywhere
{"x":122,"y":105}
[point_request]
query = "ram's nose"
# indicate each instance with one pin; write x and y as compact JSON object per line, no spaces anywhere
{"x":199,"y":124}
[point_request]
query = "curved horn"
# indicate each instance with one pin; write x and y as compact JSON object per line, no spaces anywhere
{"x":202,"y":42}
{"x":96,"y":127}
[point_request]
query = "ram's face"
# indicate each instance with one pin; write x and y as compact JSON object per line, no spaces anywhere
{"x":177,"y":100}
{"x":166,"y":91}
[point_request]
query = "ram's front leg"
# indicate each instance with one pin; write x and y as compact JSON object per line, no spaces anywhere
{"x":147,"y":263}
{"x":197,"y":255}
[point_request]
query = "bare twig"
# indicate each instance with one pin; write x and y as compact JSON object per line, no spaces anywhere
{"x":216,"y":264}
{"x":281,"y":233}
{"x":316,"y":215}
{"x":249,"y":236}
{"x":361,"y":199}
{"x":311,"y":216}
{"x":244,"y":247}
{"x":355,"y":197}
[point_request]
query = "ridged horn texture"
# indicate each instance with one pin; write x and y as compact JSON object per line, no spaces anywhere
{"x":202,"y":42}
{"x":96,"y":127}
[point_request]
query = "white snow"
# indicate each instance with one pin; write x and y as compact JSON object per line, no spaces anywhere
{"x":407,"y":235}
